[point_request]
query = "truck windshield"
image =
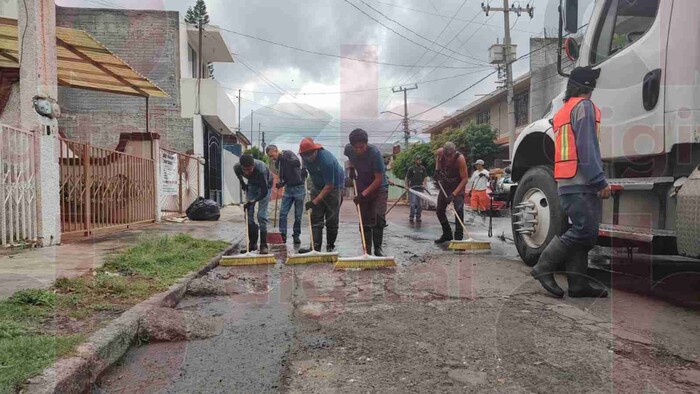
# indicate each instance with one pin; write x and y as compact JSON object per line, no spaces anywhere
{"x":622,"y":23}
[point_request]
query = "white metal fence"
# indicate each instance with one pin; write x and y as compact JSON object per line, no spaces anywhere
{"x":18,"y":186}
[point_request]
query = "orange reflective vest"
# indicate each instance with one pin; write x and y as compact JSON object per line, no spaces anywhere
{"x":565,"y":155}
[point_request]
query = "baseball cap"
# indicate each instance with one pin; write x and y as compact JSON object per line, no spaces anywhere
{"x":479,"y":162}
{"x":584,"y":76}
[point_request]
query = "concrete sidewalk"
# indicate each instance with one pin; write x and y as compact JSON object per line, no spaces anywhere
{"x":38,"y":268}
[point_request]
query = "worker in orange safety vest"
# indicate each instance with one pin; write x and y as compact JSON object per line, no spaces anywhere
{"x":578,"y":169}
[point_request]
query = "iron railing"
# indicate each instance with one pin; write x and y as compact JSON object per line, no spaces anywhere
{"x":103,"y":188}
{"x":178,"y":193}
{"x":18,"y":186}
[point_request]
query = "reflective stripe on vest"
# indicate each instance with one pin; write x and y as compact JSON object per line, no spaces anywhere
{"x":565,"y":155}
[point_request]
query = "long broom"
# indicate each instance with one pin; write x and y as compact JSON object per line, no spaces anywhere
{"x":364,"y":262}
{"x":275,"y":237}
{"x":468,"y":244}
{"x":248,"y":258}
{"x":314,"y":256}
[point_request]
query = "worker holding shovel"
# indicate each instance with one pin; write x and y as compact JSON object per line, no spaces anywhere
{"x":290,"y":178}
{"x":257,"y":191}
{"x":368,"y":171}
{"x":451,"y":174}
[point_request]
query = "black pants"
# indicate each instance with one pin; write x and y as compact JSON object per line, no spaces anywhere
{"x":374,"y":210}
{"x":327,"y":213}
{"x":458,"y":204}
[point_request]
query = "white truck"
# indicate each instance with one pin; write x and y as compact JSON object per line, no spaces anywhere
{"x":649,"y":94}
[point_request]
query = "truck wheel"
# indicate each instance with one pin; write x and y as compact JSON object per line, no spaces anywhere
{"x":537,"y":216}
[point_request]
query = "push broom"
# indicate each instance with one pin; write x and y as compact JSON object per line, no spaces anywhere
{"x":248,"y":258}
{"x":364,"y":262}
{"x":314,"y":256}
{"x":275,"y":237}
{"x":468,"y":244}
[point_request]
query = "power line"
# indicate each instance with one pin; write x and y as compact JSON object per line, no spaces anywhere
{"x":336,"y":56}
{"x":403,"y":36}
{"x":432,"y":42}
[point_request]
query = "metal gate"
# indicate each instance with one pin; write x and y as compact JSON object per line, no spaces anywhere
{"x":18,"y":213}
{"x":103,"y":188}
{"x":187,"y":188}
{"x":213,"y":185}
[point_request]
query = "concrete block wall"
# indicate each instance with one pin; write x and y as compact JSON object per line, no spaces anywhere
{"x":149,"y":42}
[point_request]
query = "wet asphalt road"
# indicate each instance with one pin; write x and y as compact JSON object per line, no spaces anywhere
{"x":439,"y":322}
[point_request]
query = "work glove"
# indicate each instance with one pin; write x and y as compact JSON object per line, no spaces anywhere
{"x":359,"y":199}
{"x":450,"y":199}
{"x":280,"y":185}
{"x":353,"y":174}
{"x":309,"y":205}
{"x":304,"y":173}
{"x":248,"y":204}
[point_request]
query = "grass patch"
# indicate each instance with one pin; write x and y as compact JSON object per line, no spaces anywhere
{"x":38,"y":326}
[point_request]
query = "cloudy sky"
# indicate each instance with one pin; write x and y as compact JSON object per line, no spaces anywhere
{"x":442,"y":45}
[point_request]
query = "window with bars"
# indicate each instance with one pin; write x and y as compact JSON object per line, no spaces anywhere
{"x":483,"y":117}
{"x":522,"y":109}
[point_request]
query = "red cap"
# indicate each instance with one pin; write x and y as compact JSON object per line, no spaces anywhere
{"x":308,"y":144}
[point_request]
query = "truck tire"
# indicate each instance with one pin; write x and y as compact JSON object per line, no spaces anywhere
{"x":536,"y":214}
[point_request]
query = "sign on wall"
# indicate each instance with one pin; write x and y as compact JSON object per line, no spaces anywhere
{"x":169,"y":175}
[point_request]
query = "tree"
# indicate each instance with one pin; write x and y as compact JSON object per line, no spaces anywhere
{"x":404,"y":160}
{"x":480,"y":142}
{"x":257,"y":154}
{"x":199,"y":17}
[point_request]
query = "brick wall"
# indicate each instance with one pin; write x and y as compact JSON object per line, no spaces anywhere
{"x":149,"y":42}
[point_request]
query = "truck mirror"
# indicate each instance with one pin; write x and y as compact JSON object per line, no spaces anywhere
{"x":571,"y":48}
{"x":571,"y":16}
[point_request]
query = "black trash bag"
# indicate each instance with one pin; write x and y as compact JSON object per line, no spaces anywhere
{"x":203,"y":209}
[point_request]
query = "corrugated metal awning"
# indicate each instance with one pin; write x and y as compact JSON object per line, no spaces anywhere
{"x":82,"y":62}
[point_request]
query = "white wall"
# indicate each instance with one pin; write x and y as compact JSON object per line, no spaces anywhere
{"x":198,"y":140}
{"x":232,"y":187}
{"x":185,"y":66}
{"x":8,"y":9}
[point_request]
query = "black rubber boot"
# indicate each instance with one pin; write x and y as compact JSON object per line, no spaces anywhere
{"x":577,"y":275}
{"x":368,"y":240}
{"x":377,"y":240}
{"x":297,"y":240}
{"x":318,"y":240}
{"x":459,"y":230}
{"x":331,"y":236}
{"x":263,"y":243}
{"x":548,"y":263}
{"x":253,"y":234}
{"x":446,"y":233}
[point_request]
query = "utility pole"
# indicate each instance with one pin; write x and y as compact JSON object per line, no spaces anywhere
{"x":259,"y":126}
{"x":251,"y":128}
{"x":263,"y":142}
{"x":507,"y":53}
{"x":406,"y":130}
{"x":199,"y":66}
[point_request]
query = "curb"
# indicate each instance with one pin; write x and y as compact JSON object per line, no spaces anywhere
{"x":106,"y":346}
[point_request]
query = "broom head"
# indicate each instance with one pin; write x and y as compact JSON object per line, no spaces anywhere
{"x":275,"y":238}
{"x":365,"y":262}
{"x":312,"y":257}
{"x":471,"y":245}
{"x":248,"y":259}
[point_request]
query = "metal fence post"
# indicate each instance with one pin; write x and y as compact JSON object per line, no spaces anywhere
{"x":87,"y":192}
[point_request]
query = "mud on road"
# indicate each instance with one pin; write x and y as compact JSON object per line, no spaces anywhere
{"x":439,"y":322}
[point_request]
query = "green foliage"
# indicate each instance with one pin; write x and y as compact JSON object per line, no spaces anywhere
{"x":258,"y":154}
{"x":210,"y":66}
{"x":24,"y":356}
{"x":34,"y":297}
{"x":474,"y":140}
{"x":197,"y":15}
{"x":404,"y":160}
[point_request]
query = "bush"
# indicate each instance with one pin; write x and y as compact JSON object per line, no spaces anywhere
{"x":404,"y":160}
{"x":257,"y":154}
{"x":475,"y":141}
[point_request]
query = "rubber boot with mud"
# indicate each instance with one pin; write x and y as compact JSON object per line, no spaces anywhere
{"x":446,"y":233}
{"x":368,"y":240}
{"x":577,"y":275}
{"x":548,"y":263}
{"x":263,"y":243}
{"x":253,"y":233}
{"x":377,"y":240}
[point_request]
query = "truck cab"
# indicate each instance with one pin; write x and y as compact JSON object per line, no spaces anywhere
{"x":649,"y":96}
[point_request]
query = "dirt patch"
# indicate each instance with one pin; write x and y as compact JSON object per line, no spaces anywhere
{"x":171,"y":325}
